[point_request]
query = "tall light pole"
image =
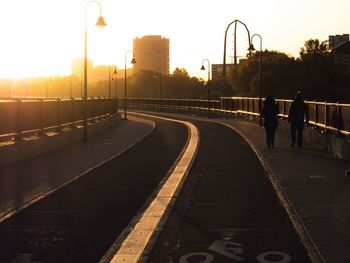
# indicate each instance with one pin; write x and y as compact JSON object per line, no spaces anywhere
{"x":160,"y":76}
{"x":81,"y":83}
{"x":100,"y":23}
{"x":235,"y":42}
{"x":46,"y":89}
{"x":115,"y":75}
{"x":69,"y":81}
{"x":203,"y":68}
{"x":25,"y":84}
{"x":133,"y":61}
{"x":251,"y":48}
{"x":109,"y":82}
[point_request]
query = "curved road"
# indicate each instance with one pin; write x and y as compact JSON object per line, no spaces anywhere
{"x":80,"y":222}
{"x":228,"y":210}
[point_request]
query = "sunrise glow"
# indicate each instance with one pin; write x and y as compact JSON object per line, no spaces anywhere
{"x":41,"y":37}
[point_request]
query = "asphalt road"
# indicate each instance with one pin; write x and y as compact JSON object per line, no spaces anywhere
{"x":228,"y":210}
{"x":81,"y":221}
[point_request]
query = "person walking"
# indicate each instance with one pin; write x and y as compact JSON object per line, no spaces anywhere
{"x":297,"y":113}
{"x":269,"y":115}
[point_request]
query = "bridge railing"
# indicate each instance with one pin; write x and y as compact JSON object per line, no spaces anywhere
{"x":333,"y":117}
{"x":21,"y":117}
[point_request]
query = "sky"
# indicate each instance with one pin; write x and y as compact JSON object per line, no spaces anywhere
{"x":41,"y":37}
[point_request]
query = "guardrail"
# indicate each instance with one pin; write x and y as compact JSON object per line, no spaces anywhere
{"x":23,"y":117}
{"x":333,"y":117}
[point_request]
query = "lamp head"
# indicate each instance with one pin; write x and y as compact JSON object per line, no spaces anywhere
{"x":115,"y":72}
{"x":251,"y":48}
{"x":202,"y":68}
{"x":100,"y":22}
{"x":133,"y":61}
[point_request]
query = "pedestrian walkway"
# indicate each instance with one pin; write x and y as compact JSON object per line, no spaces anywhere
{"x":25,"y":182}
{"x":314,"y":184}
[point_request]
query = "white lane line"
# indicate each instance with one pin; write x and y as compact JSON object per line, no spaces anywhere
{"x":148,"y":226}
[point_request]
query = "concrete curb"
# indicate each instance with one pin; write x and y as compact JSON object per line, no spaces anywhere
{"x":21,"y":150}
{"x":136,"y":241}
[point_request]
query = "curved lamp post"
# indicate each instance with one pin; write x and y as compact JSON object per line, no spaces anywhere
{"x":235,"y":44}
{"x":160,"y":76}
{"x":133,"y":61}
{"x":203,"y":68}
{"x":251,"y":48}
{"x":100,"y":23}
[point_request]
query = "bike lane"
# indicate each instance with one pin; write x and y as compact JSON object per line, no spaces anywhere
{"x":228,"y":210}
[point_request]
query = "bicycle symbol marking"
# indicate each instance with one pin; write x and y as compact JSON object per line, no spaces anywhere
{"x":235,"y":251}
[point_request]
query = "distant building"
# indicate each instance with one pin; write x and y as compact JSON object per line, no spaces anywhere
{"x":337,"y":40}
{"x":151,"y":53}
{"x":217,"y":69}
{"x":97,"y":73}
{"x":341,"y":54}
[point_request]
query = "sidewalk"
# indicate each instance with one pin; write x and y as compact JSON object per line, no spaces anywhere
{"x":315,"y":184}
{"x":24,"y":182}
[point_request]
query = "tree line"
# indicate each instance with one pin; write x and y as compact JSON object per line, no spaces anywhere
{"x":314,"y":72}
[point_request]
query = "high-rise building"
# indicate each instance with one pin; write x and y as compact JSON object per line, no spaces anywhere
{"x":337,"y":40}
{"x":151,"y":53}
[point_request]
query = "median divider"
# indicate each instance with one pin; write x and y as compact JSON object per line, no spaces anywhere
{"x":137,"y":239}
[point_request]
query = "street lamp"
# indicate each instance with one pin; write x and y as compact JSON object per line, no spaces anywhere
{"x":133,"y":61}
{"x":100,"y":23}
{"x":160,"y":76}
{"x":115,"y":74}
{"x":109,"y":82}
{"x":46,"y":88}
{"x":235,"y":44}
{"x":203,"y":68}
{"x":251,"y":48}
{"x":69,"y":81}
{"x":114,"y":77}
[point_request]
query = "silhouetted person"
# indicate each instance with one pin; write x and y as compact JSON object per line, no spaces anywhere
{"x":297,"y":112}
{"x":269,"y":114}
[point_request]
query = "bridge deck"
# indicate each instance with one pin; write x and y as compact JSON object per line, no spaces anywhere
{"x":313,"y":181}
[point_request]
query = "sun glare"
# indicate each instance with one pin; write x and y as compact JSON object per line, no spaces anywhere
{"x":43,"y":36}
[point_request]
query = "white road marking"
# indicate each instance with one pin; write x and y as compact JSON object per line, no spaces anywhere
{"x":228,"y":249}
{"x":207,"y":257}
{"x":148,"y":224}
{"x":285,"y":257}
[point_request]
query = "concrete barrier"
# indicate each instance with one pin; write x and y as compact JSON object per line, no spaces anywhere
{"x":12,"y":152}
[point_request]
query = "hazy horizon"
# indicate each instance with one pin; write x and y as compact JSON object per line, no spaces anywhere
{"x":42,"y":37}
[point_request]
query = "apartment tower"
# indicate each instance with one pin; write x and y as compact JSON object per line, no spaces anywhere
{"x":151,"y":53}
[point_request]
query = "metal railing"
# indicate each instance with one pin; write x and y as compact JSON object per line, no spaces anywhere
{"x":333,"y":117}
{"x":23,"y":117}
